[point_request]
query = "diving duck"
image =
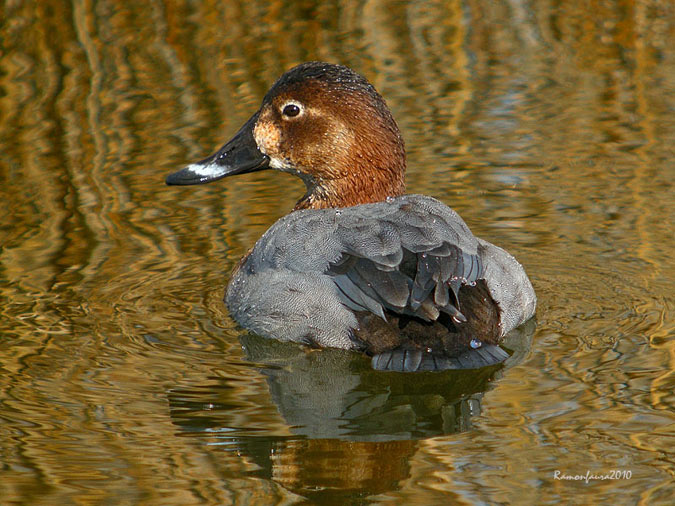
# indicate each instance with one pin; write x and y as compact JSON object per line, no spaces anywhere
{"x":359,"y":264}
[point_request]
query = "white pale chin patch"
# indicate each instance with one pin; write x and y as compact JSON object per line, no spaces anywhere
{"x":279,"y":164}
{"x":205,"y":170}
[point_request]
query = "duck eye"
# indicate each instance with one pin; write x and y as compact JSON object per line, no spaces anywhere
{"x":291,"y":110}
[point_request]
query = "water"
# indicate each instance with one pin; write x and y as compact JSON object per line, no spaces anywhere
{"x":548,"y":126}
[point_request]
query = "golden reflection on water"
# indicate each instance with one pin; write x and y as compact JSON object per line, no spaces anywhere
{"x":548,"y":125}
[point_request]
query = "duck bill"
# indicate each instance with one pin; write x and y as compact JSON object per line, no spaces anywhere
{"x":239,"y":156}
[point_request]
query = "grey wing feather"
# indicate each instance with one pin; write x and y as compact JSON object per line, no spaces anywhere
{"x":380,"y":236}
{"x":356,"y":296}
{"x":410,"y":255}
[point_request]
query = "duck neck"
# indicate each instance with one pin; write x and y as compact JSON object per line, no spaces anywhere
{"x":352,"y":189}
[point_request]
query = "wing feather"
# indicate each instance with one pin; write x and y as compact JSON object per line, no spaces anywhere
{"x":408,"y":256}
{"x":377,"y":239}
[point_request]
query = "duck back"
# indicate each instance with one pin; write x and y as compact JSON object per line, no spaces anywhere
{"x":405,"y":274}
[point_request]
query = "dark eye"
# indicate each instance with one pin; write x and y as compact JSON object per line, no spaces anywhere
{"x":291,"y":110}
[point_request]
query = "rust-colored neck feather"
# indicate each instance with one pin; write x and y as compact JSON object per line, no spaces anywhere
{"x":352,"y":190}
{"x":369,"y":168}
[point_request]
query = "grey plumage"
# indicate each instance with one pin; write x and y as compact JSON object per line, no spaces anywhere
{"x":313,"y":269}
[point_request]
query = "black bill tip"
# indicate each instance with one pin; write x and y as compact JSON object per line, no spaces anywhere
{"x":239,"y":156}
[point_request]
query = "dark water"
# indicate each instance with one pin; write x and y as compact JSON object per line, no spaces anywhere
{"x":549,"y":126}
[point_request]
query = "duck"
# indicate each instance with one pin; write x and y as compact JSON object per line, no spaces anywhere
{"x":359,"y":264}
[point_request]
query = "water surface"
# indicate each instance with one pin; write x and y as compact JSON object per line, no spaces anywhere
{"x":549,"y":126}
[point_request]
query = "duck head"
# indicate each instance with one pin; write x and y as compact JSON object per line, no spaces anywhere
{"x":324,"y":123}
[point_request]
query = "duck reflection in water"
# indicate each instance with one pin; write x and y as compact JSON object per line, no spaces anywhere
{"x":360,"y":265}
{"x":361,"y":425}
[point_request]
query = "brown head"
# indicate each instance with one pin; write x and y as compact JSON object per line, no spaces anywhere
{"x":324,"y":123}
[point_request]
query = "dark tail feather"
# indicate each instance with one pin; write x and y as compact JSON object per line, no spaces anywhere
{"x":401,"y":360}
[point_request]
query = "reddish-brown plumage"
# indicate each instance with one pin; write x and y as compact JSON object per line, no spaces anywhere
{"x":345,"y":144}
